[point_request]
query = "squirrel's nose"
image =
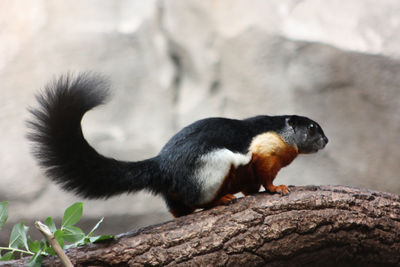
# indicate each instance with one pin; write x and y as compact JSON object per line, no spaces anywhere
{"x":326,"y":139}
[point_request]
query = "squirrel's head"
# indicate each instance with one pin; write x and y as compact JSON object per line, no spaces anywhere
{"x":304,"y":133}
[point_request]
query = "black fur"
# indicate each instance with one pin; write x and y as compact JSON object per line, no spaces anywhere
{"x":60,"y":146}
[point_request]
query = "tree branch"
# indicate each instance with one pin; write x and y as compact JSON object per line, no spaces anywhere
{"x":313,"y":225}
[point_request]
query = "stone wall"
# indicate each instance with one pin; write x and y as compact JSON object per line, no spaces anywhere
{"x":173,"y":62}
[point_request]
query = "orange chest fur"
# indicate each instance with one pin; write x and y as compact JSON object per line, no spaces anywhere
{"x":269,"y":154}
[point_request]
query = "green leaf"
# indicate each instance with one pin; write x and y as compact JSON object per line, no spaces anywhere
{"x":3,"y":213}
{"x":99,"y":238}
{"x":35,"y":261}
{"x":43,"y":244}
{"x":95,"y":227}
{"x":78,"y":243}
{"x":18,"y":238}
{"x":72,"y":214}
{"x":73,"y":234}
{"x":33,"y":245}
{"x":7,"y":257}
{"x":50,"y":223}
{"x":59,"y":236}
{"x":50,"y":251}
{"x":83,"y":241}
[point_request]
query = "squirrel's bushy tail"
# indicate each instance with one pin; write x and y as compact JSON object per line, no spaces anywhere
{"x":61,"y":148}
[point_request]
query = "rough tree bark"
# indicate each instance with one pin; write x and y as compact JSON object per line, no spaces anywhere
{"x":313,"y":225}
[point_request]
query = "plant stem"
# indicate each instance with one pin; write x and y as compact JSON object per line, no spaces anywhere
{"x":17,"y":250}
{"x":44,"y":229}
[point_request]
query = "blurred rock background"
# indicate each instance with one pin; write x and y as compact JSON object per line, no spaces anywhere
{"x":172,"y":62}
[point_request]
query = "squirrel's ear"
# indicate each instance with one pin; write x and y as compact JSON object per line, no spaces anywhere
{"x":291,"y":121}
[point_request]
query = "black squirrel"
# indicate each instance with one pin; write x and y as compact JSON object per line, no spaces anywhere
{"x":201,"y":166}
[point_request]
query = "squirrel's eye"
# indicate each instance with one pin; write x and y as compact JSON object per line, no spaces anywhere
{"x":311,"y":128}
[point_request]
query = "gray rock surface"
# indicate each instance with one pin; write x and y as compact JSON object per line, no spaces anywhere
{"x":173,"y":62}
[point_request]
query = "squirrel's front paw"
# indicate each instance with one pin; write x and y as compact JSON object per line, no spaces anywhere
{"x":281,"y":189}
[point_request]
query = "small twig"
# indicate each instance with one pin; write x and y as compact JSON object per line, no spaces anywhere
{"x":17,"y":250}
{"x":53,"y":243}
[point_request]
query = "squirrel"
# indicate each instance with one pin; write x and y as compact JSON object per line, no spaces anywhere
{"x":200,"y":167}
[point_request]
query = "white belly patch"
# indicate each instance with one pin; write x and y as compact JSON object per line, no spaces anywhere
{"x":214,"y":167}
